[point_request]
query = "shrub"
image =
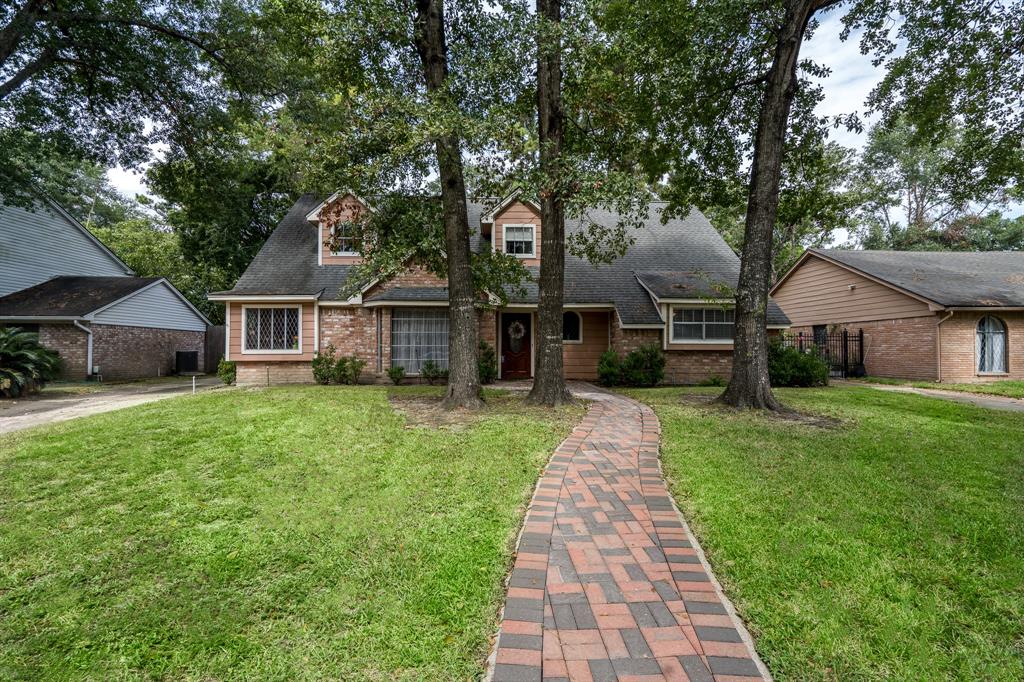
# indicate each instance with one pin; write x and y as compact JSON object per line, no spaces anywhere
{"x":396,"y":374}
{"x":348,"y":369}
{"x":787,"y":366}
{"x":487,"y":363}
{"x":713,"y":380}
{"x":324,"y":365}
{"x":430,"y":371}
{"x":609,"y":368}
{"x":644,"y":367}
{"x":226,"y":370}
{"x":25,"y":366}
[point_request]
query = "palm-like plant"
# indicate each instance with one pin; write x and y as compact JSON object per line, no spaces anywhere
{"x":24,"y":365}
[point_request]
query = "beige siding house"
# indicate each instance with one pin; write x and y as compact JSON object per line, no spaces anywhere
{"x":936,"y":316}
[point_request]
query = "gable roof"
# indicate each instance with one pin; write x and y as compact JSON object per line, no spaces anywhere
{"x":93,"y":238}
{"x":951,"y":279}
{"x":71,"y":296}
{"x":676,"y":253}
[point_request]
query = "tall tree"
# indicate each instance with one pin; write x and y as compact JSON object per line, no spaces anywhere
{"x":549,"y":379}
{"x":463,"y":375}
{"x":104,"y":79}
{"x":722,"y":91}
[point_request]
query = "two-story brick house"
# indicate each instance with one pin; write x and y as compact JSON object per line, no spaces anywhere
{"x":665,"y":290}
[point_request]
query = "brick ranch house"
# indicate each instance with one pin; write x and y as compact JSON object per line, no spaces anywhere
{"x":287,"y":306}
{"x":60,"y":282}
{"x":937,"y":316}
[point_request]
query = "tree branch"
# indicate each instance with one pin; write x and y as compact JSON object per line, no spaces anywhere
{"x":18,"y":79}
{"x":83,"y":18}
{"x":22,"y":22}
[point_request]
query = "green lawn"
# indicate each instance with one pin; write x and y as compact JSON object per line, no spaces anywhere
{"x":289,"y":533}
{"x":1011,"y":388}
{"x":888,"y":547}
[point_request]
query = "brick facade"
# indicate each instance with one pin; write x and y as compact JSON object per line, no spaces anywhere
{"x":908,"y":348}
{"x":958,"y":342}
{"x":273,"y":373}
{"x":681,"y":366}
{"x":137,"y":352}
{"x":120,"y":352}
{"x":72,"y":344}
{"x":352,"y":331}
{"x":897,"y":348}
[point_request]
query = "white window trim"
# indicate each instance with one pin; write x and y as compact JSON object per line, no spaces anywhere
{"x":580,"y":318}
{"x":706,"y":342}
{"x":343,"y":253}
{"x":1006,"y":349}
{"x":245,"y":326}
{"x":533,"y":240}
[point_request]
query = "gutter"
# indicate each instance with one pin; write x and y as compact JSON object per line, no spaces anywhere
{"x":938,"y":345}
{"x":88,"y":346}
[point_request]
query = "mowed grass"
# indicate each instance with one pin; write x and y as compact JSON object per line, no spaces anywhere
{"x":890,"y":546}
{"x":290,"y":533}
{"x":1010,"y":388}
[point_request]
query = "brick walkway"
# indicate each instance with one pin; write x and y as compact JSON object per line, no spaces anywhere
{"x":608,"y":583}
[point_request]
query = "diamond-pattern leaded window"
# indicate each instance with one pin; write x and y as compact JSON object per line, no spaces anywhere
{"x":703,"y":324}
{"x":272,"y":329}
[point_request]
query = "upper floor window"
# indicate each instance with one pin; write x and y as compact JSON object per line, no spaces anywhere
{"x":991,"y":345}
{"x":345,"y":239}
{"x":703,"y":324}
{"x":272,"y":329}
{"x":572,"y":327}
{"x":519,"y":240}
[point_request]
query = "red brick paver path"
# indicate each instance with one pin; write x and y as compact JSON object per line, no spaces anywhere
{"x":608,"y":583}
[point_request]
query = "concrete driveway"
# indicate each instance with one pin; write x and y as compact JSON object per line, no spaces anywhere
{"x":57,"y":405}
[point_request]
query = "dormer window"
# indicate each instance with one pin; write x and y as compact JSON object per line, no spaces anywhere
{"x":345,"y":239}
{"x":519,"y":240}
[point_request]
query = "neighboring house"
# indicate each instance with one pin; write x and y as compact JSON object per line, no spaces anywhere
{"x":937,"y":316}
{"x":58,"y":280}
{"x":669,"y":289}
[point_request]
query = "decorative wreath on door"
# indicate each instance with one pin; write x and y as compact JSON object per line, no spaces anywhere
{"x":516,"y":332}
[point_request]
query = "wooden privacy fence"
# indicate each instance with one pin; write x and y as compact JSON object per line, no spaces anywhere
{"x":214,"y":350}
{"x":843,"y":350}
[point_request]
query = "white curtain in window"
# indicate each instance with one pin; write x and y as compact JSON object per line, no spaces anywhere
{"x":991,"y":345}
{"x":418,"y":335}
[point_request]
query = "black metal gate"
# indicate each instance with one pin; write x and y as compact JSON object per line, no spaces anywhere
{"x":842,"y":350}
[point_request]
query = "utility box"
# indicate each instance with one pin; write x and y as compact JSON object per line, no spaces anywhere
{"x":186,"y":362}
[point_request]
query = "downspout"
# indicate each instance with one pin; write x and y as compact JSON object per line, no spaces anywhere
{"x":88,"y":346}
{"x":938,"y":345}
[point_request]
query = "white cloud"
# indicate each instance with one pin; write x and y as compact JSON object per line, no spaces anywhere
{"x":851,"y":80}
{"x":128,"y":182}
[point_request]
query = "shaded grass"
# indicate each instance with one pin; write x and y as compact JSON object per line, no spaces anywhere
{"x":887,"y":547}
{"x":286,"y":533}
{"x":1010,"y":388}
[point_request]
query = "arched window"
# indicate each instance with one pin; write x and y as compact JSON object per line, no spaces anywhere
{"x":572,"y":327}
{"x":991,"y":345}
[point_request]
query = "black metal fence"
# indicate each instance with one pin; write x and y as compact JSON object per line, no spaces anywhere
{"x":843,"y":350}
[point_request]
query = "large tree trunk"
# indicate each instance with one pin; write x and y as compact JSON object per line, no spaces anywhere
{"x":463,"y":372}
{"x":548,"y":380}
{"x":749,"y":386}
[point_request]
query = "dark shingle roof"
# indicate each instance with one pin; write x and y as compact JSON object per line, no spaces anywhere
{"x":952,"y":279}
{"x":70,"y":296}
{"x":407,"y":294}
{"x":286,"y":265}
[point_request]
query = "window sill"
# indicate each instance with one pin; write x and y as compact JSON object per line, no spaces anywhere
{"x":272,"y":352}
{"x":992,"y":374}
{"x":572,"y":343}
